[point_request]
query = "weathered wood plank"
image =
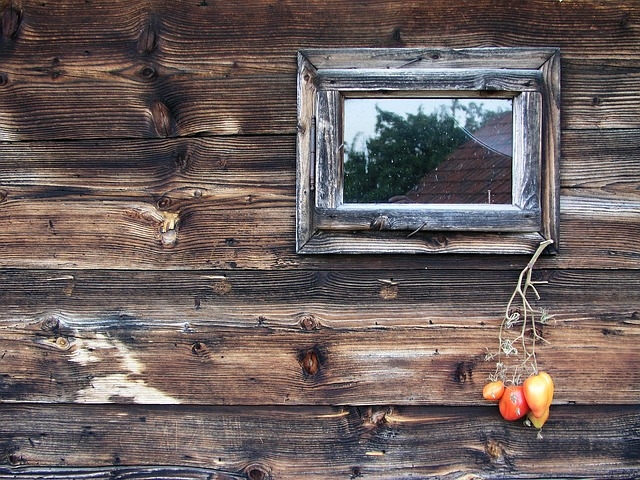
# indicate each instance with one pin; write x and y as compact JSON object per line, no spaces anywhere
{"x":176,"y":105}
{"x":600,"y":106}
{"x":168,"y":171}
{"x":186,"y":104}
{"x":281,"y":298}
{"x":197,"y":364}
{"x":249,"y":228}
{"x":602,"y":161}
{"x":115,"y":33}
{"x":127,"y":188}
{"x":153,"y":83}
{"x":228,"y":339}
{"x":314,"y":442}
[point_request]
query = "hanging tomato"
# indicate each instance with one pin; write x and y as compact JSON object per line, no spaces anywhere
{"x":512,"y":404}
{"x":493,"y":390}
{"x":538,"y":422}
{"x":538,"y":391}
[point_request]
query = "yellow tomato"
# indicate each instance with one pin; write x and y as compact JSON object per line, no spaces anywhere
{"x":538,"y":422}
{"x":538,"y":391}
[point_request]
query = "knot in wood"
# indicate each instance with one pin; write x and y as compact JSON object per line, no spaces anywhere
{"x":170,"y":221}
{"x":50,"y":324}
{"x":3,"y":79}
{"x":309,"y":323}
{"x":3,"y":195}
{"x":396,"y":36}
{"x":310,"y":362}
{"x":169,"y":238}
{"x":147,"y":40}
{"x":148,"y":73}
{"x":464,"y":371}
{"x":164,"y":203}
{"x":389,"y":292}
{"x":258,"y":471}
{"x":494,"y":450}
{"x":624,"y":20}
{"x":11,"y":18}
{"x":221,"y":287}
{"x":183,"y":160}
{"x":380,"y":223}
{"x":169,"y":229}
{"x":163,"y":121}
{"x":62,"y":343}
{"x":199,"y":349}
{"x":376,"y":416}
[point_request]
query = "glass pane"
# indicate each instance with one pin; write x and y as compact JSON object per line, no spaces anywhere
{"x":435,"y":150}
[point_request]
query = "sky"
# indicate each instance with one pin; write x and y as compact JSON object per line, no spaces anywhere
{"x":360,"y":113}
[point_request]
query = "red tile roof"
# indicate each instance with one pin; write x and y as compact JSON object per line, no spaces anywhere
{"x":479,"y":171}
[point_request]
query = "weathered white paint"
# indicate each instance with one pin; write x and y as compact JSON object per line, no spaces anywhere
{"x":118,"y":386}
{"x":114,"y":387}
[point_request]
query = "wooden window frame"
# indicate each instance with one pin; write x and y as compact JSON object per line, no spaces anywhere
{"x":529,"y":76}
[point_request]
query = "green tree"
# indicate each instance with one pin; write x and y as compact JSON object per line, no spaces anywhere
{"x":404,"y":149}
{"x":400,"y":153}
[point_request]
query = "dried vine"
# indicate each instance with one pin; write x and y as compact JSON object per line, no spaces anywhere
{"x":527,"y":319}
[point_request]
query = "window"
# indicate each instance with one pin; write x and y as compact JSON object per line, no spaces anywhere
{"x":416,"y":150}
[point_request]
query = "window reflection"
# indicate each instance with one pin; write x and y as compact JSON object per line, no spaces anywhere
{"x":428,"y":151}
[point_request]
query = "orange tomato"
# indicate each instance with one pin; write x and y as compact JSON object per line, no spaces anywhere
{"x":538,"y":391}
{"x":512,"y":404}
{"x":493,"y":390}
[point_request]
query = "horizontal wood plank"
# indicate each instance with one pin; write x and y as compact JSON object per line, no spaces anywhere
{"x":229,"y":339}
{"x":314,"y":442}
{"x":228,"y":40}
{"x":188,"y":104}
{"x":245,"y":230}
{"x":603,"y":162}
{"x":384,"y":298}
{"x":177,"y":105}
{"x":167,"y":171}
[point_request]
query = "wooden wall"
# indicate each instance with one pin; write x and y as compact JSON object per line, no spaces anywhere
{"x":156,"y":321}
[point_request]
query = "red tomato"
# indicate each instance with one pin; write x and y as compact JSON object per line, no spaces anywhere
{"x":538,"y":391}
{"x":512,"y":404}
{"x":493,"y":390}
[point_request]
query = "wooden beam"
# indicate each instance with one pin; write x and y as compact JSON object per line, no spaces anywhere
{"x":62,"y":441}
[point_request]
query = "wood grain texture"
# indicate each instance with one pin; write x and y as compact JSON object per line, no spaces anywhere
{"x":253,"y":229}
{"x":613,"y":154}
{"x":155,"y":142}
{"x":118,"y":75}
{"x":315,"y":442}
{"x":221,"y":182}
{"x":600,"y":162}
{"x":201,"y":104}
{"x":227,"y":339}
{"x":264,"y":32}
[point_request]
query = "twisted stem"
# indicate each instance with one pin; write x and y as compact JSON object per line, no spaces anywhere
{"x":527,"y":315}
